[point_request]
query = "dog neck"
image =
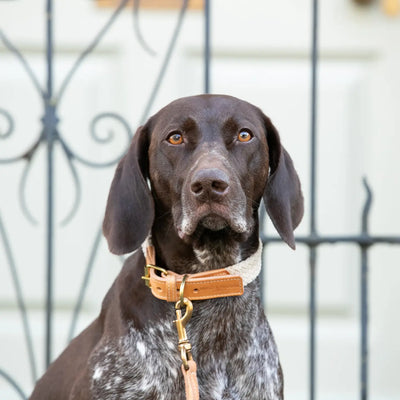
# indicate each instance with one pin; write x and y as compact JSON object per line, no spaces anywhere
{"x":172,"y":253}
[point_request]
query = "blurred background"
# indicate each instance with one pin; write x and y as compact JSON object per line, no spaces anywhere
{"x":260,"y":52}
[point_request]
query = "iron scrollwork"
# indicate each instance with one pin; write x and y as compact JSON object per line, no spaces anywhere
{"x":9,"y":124}
{"x":50,"y":135}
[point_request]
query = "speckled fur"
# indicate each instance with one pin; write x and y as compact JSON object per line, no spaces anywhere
{"x":232,"y":345}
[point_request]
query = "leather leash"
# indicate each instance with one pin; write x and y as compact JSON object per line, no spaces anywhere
{"x":181,"y":289}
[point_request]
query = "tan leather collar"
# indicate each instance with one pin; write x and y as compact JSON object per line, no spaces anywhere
{"x":201,"y":286}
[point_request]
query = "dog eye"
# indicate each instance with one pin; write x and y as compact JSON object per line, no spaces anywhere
{"x":244,"y":136}
{"x":175,"y":138}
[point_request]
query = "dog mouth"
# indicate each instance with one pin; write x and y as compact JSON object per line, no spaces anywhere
{"x":211,"y":210}
{"x":213,"y":222}
{"x":221,"y":222}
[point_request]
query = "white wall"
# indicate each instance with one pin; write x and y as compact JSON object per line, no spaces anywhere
{"x":261,"y":54}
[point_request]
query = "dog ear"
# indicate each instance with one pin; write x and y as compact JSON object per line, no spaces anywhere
{"x":130,"y":209}
{"x":282,"y":196}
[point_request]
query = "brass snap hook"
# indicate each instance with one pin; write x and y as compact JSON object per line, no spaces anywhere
{"x":183,"y":302}
{"x":184,"y":345}
{"x":183,"y":320}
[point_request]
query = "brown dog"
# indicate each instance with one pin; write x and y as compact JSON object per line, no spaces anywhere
{"x":193,"y":177}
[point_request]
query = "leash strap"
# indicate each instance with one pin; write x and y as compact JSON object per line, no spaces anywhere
{"x":191,"y":385}
{"x":189,"y":367}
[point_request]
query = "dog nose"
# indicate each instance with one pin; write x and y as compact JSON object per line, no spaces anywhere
{"x":210,"y":184}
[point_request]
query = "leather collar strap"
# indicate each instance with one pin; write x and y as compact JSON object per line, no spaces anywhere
{"x":211,"y":284}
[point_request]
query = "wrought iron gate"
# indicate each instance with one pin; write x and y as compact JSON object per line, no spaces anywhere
{"x":51,"y":135}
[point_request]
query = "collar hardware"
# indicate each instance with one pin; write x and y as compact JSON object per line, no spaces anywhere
{"x":211,"y":284}
{"x":147,"y":268}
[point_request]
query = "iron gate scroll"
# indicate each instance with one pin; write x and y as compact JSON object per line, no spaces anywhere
{"x":51,"y":135}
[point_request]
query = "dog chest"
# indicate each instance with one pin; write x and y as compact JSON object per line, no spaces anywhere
{"x":236,"y":359}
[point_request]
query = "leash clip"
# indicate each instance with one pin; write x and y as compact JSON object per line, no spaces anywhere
{"x":184,"y":345}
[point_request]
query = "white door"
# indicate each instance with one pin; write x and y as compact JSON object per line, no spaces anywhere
{"x":261,"y":53}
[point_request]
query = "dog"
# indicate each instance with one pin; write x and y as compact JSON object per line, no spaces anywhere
{"x":193,"y":178}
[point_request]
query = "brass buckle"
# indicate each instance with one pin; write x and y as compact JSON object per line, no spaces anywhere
{"x":146,"y":276}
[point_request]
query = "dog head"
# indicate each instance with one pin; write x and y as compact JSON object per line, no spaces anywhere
{"x":209,"y":161}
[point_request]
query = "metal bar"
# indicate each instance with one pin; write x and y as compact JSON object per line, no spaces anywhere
{"x":316,"y":240}
{"x":263,"y":273}
{"x":73,"y":156}
{"x":313,"y":313}
{"x":84,"y":284}
{"x":207,"y":45}
{"x":93,"y":44}
{"x":364,"y":323}
{"x":165,"y":62}
{"x":138,"y":31}
{"x":20,"y":300}
{"x":364,"y":295}
{"x":10,"y":122}
{"x":22,"y":184}
{"x":314,"y":67}
{"x":13,"y":383}
{"x":23,"y":62}
{"x":313,"y":250}
{"x":49,"y":121}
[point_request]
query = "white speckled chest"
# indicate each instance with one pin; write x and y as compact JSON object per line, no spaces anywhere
{"x":232,"y":346}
